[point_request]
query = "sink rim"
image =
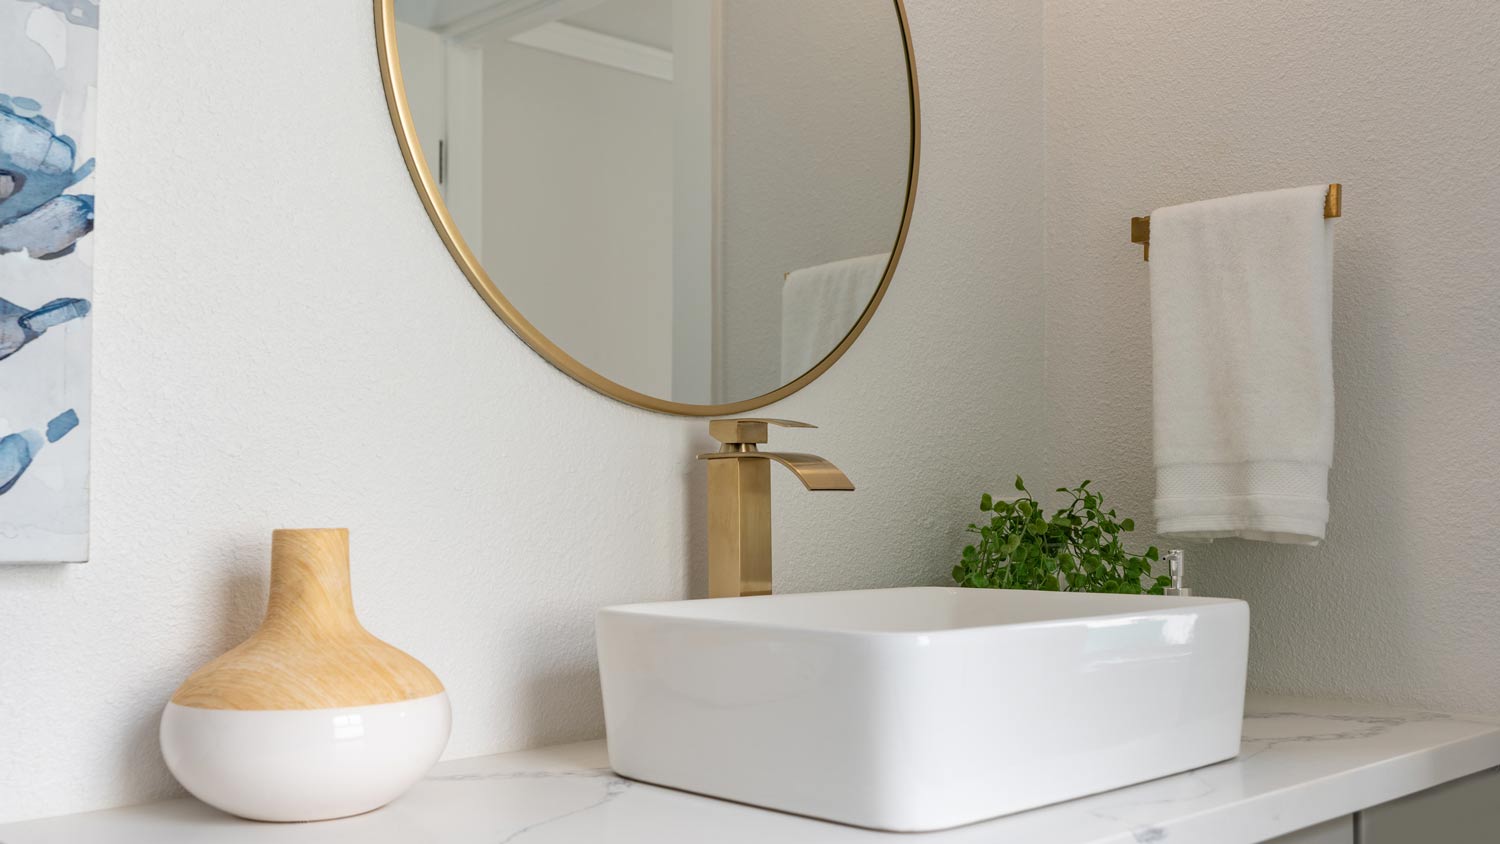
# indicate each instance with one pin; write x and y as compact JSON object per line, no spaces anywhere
{"x":681,"y":612}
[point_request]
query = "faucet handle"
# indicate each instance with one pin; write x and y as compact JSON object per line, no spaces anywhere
{"x":743,"y":431}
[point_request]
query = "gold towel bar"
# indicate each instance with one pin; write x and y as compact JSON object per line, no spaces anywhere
{"x":1140,"y":227}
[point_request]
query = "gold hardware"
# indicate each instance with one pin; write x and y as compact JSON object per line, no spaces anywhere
{"x":739,"y":501}
{"x":431,"y":195}
{"x":737,"y":431}
{"x":1140,"y":227}
{"x":1140,"y":232}
{"x":1333,"y":203}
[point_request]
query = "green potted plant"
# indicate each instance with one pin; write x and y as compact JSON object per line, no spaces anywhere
{"x":1076,"y":549}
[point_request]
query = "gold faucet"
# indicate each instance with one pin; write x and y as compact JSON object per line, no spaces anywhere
{"x":739,"y":502}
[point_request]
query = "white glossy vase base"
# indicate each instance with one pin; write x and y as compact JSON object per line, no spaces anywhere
{"x":304,"y":764}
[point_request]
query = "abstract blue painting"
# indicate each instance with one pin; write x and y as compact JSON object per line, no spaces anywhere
{"x":48,"y":84}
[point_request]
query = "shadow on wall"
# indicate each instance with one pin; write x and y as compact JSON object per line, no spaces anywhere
{"x":241,"y":606}
{"x":558,"y":700}
{"x":242,"y":600}
{"x":695,"y":518}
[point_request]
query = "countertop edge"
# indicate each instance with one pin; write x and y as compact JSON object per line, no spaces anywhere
{"x":1302,"y":762}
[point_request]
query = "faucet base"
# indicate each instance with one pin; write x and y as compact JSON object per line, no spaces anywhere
{"x":739,"y":528}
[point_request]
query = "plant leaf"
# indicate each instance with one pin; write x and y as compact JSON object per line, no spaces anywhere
{"x":1076,"y":549}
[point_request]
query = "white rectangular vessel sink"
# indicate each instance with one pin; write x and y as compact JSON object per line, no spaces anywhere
{"x":920,"y":708}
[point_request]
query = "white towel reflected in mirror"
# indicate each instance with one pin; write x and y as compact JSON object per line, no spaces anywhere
{"x":820,"y":304}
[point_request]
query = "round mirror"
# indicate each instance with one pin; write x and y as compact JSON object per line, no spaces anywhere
{"x":693,"y":206}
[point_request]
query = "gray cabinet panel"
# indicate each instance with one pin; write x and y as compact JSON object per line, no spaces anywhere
{"x":1465,"y":811}
{"x":1336,"y":831}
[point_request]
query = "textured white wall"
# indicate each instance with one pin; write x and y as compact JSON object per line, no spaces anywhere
{"x":281,"y":340}
{"x":1151,"y":104}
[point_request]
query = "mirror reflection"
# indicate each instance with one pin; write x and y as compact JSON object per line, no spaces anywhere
{"x":697,"y":199}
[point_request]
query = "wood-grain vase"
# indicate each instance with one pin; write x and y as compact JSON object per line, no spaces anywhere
{"x":311,"y":717}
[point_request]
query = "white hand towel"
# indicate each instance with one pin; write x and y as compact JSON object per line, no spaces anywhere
{"x":1241,"y":328}
{"x":820,"y":304}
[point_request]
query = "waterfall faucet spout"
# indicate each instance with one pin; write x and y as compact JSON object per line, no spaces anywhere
{"x":739,"y":501}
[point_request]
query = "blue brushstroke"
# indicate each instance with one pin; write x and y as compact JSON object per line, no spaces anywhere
{"x":55,"y":312}
{"x":32,"y":152}
{"x":52,"y":230}
{"x":16,"y":454}
{"x":81,"y":12}
{"x":20,"y":325}
{"x":36,"y":166}
{"x":17,"y":451}
{"x":61,"y":424}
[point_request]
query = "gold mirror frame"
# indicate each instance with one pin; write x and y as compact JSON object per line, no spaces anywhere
{"x":447,"y":229}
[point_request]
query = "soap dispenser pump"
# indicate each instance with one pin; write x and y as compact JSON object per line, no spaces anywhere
{"x":1175,"y":570}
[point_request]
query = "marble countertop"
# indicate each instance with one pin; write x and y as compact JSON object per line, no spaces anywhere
{"x":1301,"y":762}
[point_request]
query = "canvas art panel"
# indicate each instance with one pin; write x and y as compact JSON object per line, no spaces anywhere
{"x":48,"y":85}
